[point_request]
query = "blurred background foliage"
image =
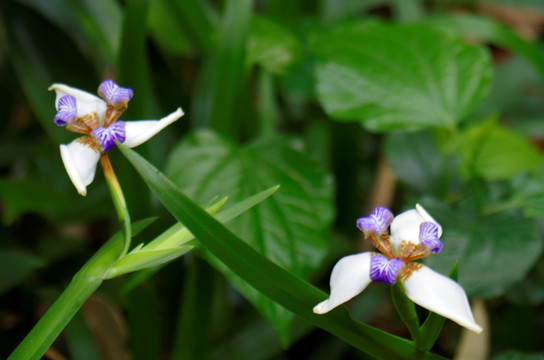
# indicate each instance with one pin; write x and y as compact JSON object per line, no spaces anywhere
{"x":347,"y":104}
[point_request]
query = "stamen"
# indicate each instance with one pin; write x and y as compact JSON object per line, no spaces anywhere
{"x":384,"y":270}
{"x":107,"y":137}
{"x":377,"y":222}
{"x":67,"y":111}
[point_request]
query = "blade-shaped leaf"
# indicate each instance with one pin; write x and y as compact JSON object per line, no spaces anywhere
{"x":290,"y":291}
{"x":144,"y":259}
{"x":399,"y":77}
{"x":290,"y":228}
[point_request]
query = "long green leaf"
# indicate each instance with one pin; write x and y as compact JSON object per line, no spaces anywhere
{"x":273,"y":281}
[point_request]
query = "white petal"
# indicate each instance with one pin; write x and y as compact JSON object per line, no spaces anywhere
{"x":350,"y":276}
{"x":405,"y":226}
{"x":442,"y":295}
{"x":86,"y":102}
{"x":80,"y":162}
{"x":138,"y":132}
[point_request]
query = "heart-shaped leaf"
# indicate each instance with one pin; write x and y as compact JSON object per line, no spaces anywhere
{"x":399,"y":76}
{"x":290,"y":228}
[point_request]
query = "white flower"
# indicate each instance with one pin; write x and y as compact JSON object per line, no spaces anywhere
{"x":414,"y":235}
{"x":96,"y":118}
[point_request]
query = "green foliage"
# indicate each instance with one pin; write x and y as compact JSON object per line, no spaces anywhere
{"x":438,"y":82}
{"x":272,"y":47}
{"x":298,"y":105}
{"x":485,"y":245}
{"x":291,"y":228}
{"x":273,"y":281}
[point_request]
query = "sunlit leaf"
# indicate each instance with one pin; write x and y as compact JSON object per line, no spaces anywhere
{"x":399,"y":77}
{"x":272,"y":46}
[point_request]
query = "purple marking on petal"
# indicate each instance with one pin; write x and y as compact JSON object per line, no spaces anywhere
{"x":113,"y":93}
{"x":384,"y":270}
{"x":108,"y":136}
{"x":377,"y":222}
{"x":67,"y":110}
{"x":428,"y":237}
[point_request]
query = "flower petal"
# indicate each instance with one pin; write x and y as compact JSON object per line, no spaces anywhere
{"x":107,"y":137}
{"x":384,"y":270}
{"x":113,"y":93}
{"x":350,"y":276}
{"x":406,"y":226}
{"x":86,"y":103}
{"x":377,"y":222}
{"x":80,"y":162}
{"x":442,"y":295}
{"x":138,"y":132}
{"x":428,"y":237}
{"x":428,"y":218}
{"x":67,"y":110}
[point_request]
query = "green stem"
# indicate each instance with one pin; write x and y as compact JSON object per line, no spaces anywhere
{"x":118,"y":200}
{"x":86,"y":281}
{"x":55,"y":319}
{"x":407,"y":312}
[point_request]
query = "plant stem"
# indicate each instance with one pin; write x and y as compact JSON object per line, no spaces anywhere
{"x":84,"y":283}
{"x":407,"y":312}
{"x":118,"y":200}
{"x":55,"y":319}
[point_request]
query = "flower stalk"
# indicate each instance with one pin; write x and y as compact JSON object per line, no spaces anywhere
{"x":118,"y":200}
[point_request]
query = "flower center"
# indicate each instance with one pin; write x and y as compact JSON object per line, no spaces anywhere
{"x":384,"y":269}
{"x":107,"y":136}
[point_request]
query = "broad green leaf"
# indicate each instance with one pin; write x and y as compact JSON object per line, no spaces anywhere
{"x":399,"y":77}
{"x":272,"y":46}
{"x":15,"y":267}
{"x":500,"y":153}
{"x":489,"y":30}
{"x":290,"y":228}
{"x":288,"y":290}
{"x":485,"y":246}
{"x":139,"y":260}
{"x":528,"y":192}
{"x":415,"y":160}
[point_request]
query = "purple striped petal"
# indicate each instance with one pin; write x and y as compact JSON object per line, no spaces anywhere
{"x":377,"y":222}
{"x":107,"y":137}
{"x":113,"y":93}
{"x":67,"y":110}
{"x":384,"y":270}
{"x":428,"y":237}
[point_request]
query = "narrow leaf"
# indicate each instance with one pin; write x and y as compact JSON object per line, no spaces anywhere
{"x":289,"y":291}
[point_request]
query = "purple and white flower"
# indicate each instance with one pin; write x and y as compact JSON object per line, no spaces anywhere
{"x":97,"y":119}
{"x":414,"y":235}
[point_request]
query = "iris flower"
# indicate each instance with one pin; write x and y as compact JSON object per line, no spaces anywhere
{"x":97,"y":119}
{"x":414,"y":235}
